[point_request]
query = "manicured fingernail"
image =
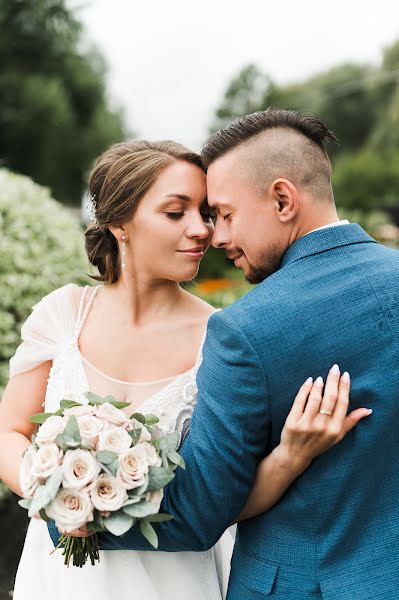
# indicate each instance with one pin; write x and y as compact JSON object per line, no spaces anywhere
{"x":335,"y":370}
{"x":319,"y":382}
{"x":309,"y":381}
{"x":346,"y":377}
{"x":369,"y":411}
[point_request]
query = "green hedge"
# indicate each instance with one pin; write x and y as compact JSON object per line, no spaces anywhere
{"x":41,"y":248}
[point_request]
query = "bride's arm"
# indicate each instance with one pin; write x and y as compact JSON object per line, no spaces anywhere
{"x":307,"y":433}
{"x":23,"y":397}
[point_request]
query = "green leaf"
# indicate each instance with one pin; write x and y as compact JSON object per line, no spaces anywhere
{"x":176,"y":459}
{"x":132,"y":500}
{"x":149,"y":533}
{"x":106,"y":457}
{"x":151,"y":419}
{"x":139,"y":417}
{"x":139,"y":491}
{"x":25,"y":503}
{"x":135,"y":435}
{"x":40,"y":418}
{"x":71,"y":431}
{"x":140,"y":510}
{"x":159,"y":477}
{"x":53,"y":483}
{"x":39,"y":501}
{"x":169,"y":443}
{"x":94,"y":399}
{"x":160,"y":518}
{"x":64,"y":404}
{"x":118,"y":523}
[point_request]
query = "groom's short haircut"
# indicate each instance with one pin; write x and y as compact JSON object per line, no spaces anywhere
{"x":277,"y":143}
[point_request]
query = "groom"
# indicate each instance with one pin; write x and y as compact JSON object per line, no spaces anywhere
{"x":328,"y":293}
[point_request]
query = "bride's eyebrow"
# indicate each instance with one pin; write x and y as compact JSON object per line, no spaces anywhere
{"x":179,"y":196}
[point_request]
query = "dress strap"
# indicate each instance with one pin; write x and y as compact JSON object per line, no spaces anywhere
{"x":84,"y":310}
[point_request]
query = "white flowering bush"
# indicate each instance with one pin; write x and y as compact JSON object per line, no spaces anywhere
{"x":41,"y":248}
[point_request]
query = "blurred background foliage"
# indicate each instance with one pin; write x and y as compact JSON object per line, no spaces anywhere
{"x":54,"y":113}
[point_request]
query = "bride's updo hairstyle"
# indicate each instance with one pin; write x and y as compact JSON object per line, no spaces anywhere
{"x":121,"y":176}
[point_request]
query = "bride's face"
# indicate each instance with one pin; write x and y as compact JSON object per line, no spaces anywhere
{"x":172,"y":227}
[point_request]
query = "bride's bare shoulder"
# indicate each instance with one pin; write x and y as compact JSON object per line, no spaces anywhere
{"x":199,"y":308}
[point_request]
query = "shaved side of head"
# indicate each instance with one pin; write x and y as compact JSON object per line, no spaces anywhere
{"x":285,"y":153}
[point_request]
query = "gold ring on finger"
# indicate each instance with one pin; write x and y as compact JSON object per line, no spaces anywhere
{"x":329,"y":413}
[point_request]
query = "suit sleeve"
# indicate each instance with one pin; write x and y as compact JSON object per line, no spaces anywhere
{"x":228,"y":437}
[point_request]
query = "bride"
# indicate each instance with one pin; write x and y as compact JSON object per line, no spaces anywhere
{"x":138,"y":336}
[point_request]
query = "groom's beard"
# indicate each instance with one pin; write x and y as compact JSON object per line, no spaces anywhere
{"x":270,"y":262}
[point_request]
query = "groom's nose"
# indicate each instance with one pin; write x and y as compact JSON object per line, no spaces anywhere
{"x":221,"y":235}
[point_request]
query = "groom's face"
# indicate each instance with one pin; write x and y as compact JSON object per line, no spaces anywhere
{"x":247,"y":224}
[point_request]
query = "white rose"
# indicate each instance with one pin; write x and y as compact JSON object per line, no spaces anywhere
{"x":114,"y":439}
{"x":108,"y":494}
{"x":145,"y":435}
{"x":70,"y":510}
{"x":133,"y":467}
{"x":110,"y":413}
{"x":153,"y":458}
{"x":155,"y":498}
{"x":90,"y":428}
{"x":48,"y":432}
{"x":80,"y":470}
{"x":46,"y":460}
{"x":27,"y":480}
{"x":79,"y":411}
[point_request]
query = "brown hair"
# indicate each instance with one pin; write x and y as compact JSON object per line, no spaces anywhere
{"x":121,"y":176}
{"x":251,"y":125}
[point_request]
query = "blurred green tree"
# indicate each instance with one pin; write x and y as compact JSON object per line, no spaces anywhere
{"x":54,"y":117}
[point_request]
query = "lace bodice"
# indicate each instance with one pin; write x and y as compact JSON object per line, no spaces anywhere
{"x":52,"y":333}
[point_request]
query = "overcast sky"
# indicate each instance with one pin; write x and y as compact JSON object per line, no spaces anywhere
{"x":170,"y":60}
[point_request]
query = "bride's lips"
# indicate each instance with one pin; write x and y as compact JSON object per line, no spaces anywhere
{"x":197,"y":252}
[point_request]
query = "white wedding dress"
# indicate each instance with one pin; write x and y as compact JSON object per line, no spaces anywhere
{"x":52,"y":333}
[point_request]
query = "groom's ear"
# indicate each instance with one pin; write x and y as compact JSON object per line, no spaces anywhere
{"x":285,"y":197}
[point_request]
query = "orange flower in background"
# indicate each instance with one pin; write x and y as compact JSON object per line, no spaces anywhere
{"x":208,"y":286}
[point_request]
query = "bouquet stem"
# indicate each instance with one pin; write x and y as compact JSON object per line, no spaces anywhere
{"x":79,"y":550}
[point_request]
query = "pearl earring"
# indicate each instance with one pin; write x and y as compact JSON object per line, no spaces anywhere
{"x":123,"y":251}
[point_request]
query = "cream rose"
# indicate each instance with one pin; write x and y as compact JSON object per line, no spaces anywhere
{"x":133,"y":467}
{"x":70,"y":510}
{"x":48,"y":432}
{"x":90,"y":428}
{"x":114,"y":439}
{"x":108,"y":494}
{"x":27,"y":480}
{"x":153,"y":458}
{"x":110,"y":413}
{"x":80,"y":470}
{"x":155,"y":498}
{"x":79,"y":411}
{"x":46,"y":460}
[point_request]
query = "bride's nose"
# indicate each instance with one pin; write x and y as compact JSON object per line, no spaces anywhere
{"x":198,"y":229}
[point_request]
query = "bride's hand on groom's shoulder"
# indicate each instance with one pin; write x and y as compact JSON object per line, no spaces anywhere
{"x":318,"y":419}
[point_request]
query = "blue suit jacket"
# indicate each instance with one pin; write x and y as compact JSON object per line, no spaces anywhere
{"x":335,"y":532}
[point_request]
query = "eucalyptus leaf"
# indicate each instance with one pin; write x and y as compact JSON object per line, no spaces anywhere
{"x":71,"y":432}
{"x":64,"y":404}
{"x":118,"y":523}
{"x":132,"y":500}
{"x":139,"y":417}
{"x":94,"y":399}
{"x":159,"y":477}
{"x":139,"y":491}
{"x":170,"y":442}
{"x":135,"y":435}
{"x":106,"y":457}
{"x":160,"y":518}
{"x":40,"y":418}
{"x":53,"y":483}
{"x":140,"y":510}
{"x":151,"y":419}
{"x":176,"y":459}
{"x":149,"y":533}
{"x":39,"y":501}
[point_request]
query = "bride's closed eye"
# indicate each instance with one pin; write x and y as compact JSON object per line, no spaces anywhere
{"x":175,"y":215}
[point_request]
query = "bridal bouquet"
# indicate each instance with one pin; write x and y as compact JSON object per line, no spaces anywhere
{"x":91,"y":465}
